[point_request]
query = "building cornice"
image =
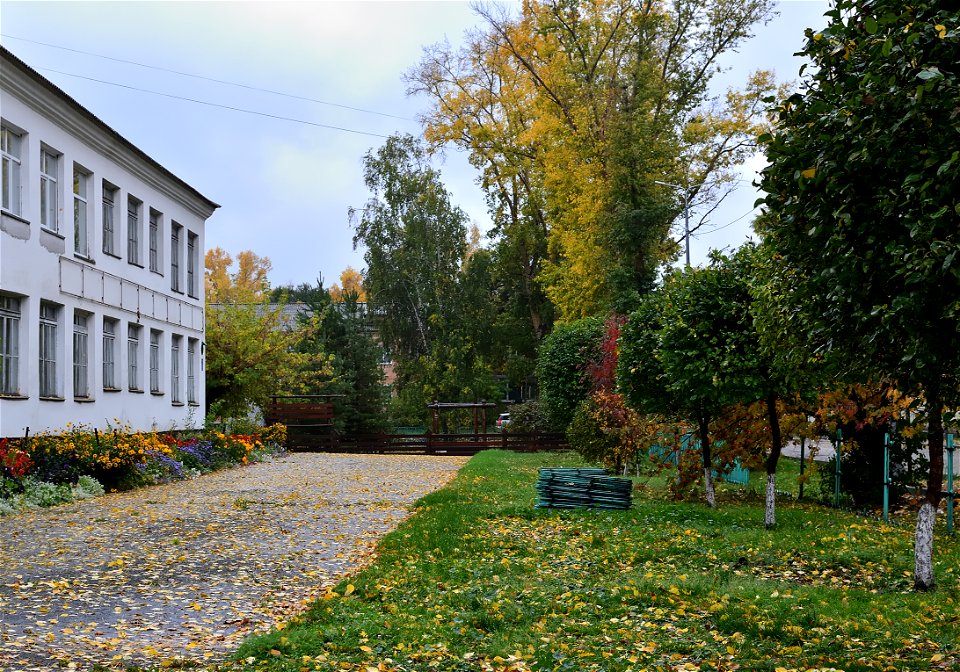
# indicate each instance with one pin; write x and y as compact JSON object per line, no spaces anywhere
{"x":45,"y":98}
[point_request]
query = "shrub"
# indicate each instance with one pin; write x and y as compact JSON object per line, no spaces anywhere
{"x":530,"y":416}
{"x":605,"y":431}
{"x":87,"y":487}
{"x":41,"y":493}
{"x":562,"y":367}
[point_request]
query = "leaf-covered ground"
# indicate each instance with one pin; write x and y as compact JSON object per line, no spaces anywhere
{"x":480,"y":580}
{"x":179,"y":574}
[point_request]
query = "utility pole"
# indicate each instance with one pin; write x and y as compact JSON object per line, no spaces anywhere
{"x":686,"y":213}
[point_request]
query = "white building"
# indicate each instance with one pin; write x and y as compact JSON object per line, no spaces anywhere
{"x":101,"y":271}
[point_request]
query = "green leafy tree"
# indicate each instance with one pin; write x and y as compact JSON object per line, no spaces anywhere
{"x":431,"y":299}
{"x":693,"y":351}
{"x":863,"y":182}
{"x":562,"y":367}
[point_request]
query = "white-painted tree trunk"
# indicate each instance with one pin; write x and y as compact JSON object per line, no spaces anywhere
{"x":923,"y":548}
{"x":708,"y":485}
{"x":770,"y":514}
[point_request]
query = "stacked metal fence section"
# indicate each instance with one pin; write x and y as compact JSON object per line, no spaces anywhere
{"x":582,"y":489}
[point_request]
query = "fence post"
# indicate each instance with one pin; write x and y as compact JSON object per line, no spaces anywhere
{"x":803,"y":459}
{"x":836,"y":479}
{"x":886,"y":477}
{"x":950,"y":483}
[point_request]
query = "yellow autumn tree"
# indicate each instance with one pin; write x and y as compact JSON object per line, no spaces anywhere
{"x":573,"y":110}
{"x":351,"y":282}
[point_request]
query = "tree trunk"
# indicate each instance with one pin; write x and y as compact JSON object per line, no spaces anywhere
{"x":923,"y":578}
{"x":707,"y":461}
{"x":770,"y":514}
{"x":770,"y":511}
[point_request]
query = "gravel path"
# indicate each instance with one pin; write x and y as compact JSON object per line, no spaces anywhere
{"x":183,"y":572}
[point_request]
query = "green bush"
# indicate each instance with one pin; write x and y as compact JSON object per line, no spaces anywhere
{"x":530,"y":416}
{"x":562,"y":367}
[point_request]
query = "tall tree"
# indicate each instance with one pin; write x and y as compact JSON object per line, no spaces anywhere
{"x":415,"y":240}
{"x":863,"y":180}
{"x":432,"y":303}
{"x":343,"y":331}
{"x":572,"y":110}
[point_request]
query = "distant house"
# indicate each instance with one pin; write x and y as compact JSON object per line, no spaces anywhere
{"x":101,"y":276}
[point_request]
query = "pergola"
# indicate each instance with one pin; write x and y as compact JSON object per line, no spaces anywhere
{"x":479,"y":409}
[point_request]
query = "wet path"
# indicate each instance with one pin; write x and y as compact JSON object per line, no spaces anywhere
{"x":185,"y":571}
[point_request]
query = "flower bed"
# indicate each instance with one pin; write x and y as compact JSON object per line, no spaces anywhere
{"x":53,"y":468}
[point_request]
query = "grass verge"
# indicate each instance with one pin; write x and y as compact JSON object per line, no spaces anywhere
{"x":479,"y":579}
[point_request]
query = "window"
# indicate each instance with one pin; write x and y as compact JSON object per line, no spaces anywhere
{"x":192,"y":371}
{"x":81,"y":355}
{"x":49,"y":203}
{"x":9,"y":345}
{"x":155,"y":241}
{"x":49,"y":316}
{"x":193,"y":263}
{"x":10,"y":144}
{"x":133,"y":357}
{"x":133,"y":230}
{"x":175,"y":369}
{"x":155,"y":361}
{"x":81,"y":180}
{"x":109,"y":219}
{"x":109,"y":354}
{"x":176,"y":231}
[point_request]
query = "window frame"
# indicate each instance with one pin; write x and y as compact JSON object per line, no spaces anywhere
{"x":176,"y":345}
{"x":11,"y":153}
{"x":11,"y":314}
{"x":109,"y":218}
{"x":82,"y":179}
{"x":134,"y":208}
{"x":156,"y":338}
{"x":48,"y":337}
{"x":49,"y":190}
{"x":176,"y":243}
{"x":193,"y":264}
{"x":192,"y":397}
{"x":81,"y":355}
{"x":109,"y":353}
{"x":155,"y":227}
{"x":134,"y":333}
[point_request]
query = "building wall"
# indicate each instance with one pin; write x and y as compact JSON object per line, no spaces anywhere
{"x":47,"y":269}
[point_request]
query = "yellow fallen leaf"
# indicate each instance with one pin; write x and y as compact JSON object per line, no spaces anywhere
{"x":350,"y":589}
{"x":809,"y":173}
{"x":366,"y":649}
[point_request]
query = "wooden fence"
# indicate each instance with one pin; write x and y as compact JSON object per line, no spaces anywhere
{"x":438,"y":444}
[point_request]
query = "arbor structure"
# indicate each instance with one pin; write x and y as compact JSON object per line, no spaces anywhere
{"x":864,"y":183}
{"x":572,"y":111}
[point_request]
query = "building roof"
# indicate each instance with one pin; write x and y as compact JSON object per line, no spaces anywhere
{"x":96,"y":121}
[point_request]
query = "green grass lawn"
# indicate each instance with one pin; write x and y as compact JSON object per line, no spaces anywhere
{"x":479,"y":579}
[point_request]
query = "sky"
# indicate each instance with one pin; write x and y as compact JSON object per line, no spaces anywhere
{"x":197,"y":86}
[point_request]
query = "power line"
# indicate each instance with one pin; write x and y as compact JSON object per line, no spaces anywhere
{"x":728,"y":224}
{"x":209,"y":79}
{"x":226,"y":107}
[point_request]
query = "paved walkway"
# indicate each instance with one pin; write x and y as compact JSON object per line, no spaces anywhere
{"x":183,"y":572}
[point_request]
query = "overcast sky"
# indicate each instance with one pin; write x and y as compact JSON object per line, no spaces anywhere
{"x":285,"y":186}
